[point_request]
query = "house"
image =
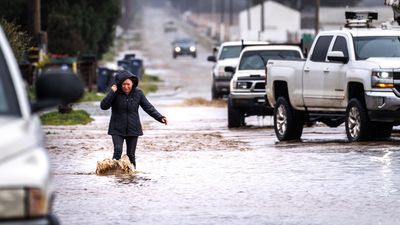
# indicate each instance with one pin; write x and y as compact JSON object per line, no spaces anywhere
{"x":279,"y":24}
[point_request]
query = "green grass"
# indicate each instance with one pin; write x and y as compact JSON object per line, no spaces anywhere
{"x":148,"y":83}
{"x":148,"y":87}
{"x":108,"y":56}
{"x":31,"y":93}
{"x":75,"y":117}
{"x":150,"y":78}
{"x":91,"y":97}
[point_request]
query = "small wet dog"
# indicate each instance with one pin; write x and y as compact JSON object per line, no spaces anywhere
{"x":115,"y":167}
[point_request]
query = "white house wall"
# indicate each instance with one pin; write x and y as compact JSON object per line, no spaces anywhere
{"x":279,"y":22}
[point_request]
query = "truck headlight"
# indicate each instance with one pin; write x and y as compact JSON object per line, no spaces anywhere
{"x":177,"y":49}
{"x":242,"y":85}
{"x":12,"y":203}
{"x":221,"y":71}
{"x":23,"y":203}
{"x":192,"y":49}
{"x":382,"y":78}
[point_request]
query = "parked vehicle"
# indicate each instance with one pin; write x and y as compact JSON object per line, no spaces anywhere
{"x":184,"y":46}
{"x":351,"y":76}
{"x":228,"y":55}
{"x":26,"y":191}
{"x":247,"y":86}
{"x":170,"y":26}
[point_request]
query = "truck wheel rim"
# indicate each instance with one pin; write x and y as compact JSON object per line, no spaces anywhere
{"x":354,"y":122}
{"x":281,"y":120}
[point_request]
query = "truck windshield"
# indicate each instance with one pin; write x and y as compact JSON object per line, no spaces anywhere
{"x":377,"y":46}
{"x":256,"y":60}
{"x":230,"y":52}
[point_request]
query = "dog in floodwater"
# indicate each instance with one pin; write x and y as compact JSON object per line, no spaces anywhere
{"x":115,"y":167}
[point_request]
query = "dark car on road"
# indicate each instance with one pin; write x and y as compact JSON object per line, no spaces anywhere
{"x":184,"y":46}
{"x":170,"y":26}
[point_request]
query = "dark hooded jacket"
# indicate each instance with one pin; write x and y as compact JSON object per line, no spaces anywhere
{"x":125,"y":119}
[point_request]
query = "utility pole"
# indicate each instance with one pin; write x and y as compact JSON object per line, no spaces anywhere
{"x":214,"y":17}
{"x":36,"y":19}
{"x":222,"y":22}
{"x":222,"y":11}
{"x":230,"y":19}
{"x":248,"y":15}
{"x":230,"y":13}
{"x":317,"y":5}
{"x":198,"y":10}
{"x":262,"y":16}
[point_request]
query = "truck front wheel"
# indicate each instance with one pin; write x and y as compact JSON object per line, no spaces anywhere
{"x":235,"y":116}
{"x":214,"y":93}
{"x":288,"y":124}
{"x":356,"y":121}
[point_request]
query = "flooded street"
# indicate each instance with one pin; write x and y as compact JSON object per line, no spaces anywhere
{"x":197,"y":171}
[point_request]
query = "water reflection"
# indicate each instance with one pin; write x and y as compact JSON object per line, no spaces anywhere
{"x":131,"y":179}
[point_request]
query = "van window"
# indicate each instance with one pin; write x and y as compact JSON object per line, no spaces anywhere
{"x":8,"y":99}
{"x":321,"y":49}
{"x":228,"y":52}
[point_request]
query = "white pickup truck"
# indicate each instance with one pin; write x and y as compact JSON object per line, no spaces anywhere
{"x":247,"y":87}
{"x":228,"y":55}
{"x":351,"y":75}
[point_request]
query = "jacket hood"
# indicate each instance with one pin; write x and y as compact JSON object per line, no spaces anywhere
{"x":122,"y":75}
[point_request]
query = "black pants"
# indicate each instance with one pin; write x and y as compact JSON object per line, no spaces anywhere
{"x":131,"y":142}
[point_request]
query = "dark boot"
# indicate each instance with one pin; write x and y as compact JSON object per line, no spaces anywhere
{"x":133,"y":161}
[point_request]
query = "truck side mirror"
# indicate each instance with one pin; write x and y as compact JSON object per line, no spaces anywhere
{"x":230,"y":69}
{"x":212,"y":58}
{"x":337,"y":56}
{"x":57,"y":87}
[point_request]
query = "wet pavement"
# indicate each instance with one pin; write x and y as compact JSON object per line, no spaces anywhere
{"x":197,"y":171}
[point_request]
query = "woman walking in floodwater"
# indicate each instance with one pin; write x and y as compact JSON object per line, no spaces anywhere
{"x":124,"y":100}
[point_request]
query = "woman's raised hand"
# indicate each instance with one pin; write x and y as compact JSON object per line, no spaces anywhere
{"x":164,"y":120}
{"x":114,"y":88}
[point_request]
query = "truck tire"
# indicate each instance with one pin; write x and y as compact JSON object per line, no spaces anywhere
{"x":214,"y":93}
{"x":53,"y":220}
{"x":288,"y":124}
{"x":356,"y":121}
{"x":235,"y":117}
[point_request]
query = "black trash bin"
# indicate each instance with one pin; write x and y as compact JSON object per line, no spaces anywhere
{"x":137,"y":67}
{"x":124,"y":64}
{"x":129,"y":56}
{"x":103,"y":76}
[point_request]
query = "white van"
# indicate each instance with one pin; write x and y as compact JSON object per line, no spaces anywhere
{"x":26,"y":192}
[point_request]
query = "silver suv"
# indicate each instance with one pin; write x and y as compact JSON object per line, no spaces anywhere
{"x":26,"y":192}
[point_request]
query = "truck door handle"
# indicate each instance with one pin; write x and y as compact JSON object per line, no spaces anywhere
{"x":307,"y":70}
{"x":326,"y":70}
